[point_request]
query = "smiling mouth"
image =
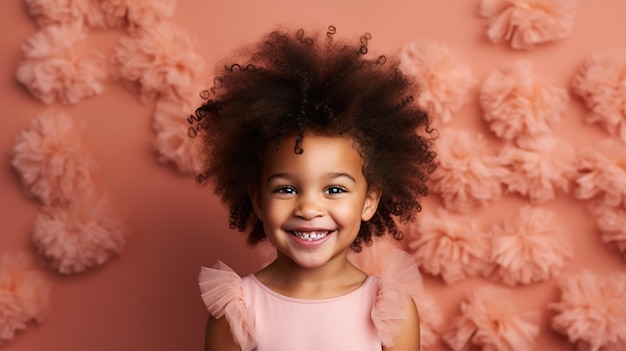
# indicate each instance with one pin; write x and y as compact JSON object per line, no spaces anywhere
{"x":310,"y":236}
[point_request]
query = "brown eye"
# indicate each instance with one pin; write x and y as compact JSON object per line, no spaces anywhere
{"x":332,"y":190}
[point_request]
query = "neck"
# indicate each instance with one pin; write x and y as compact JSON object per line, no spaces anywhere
{"x":335,"y":278}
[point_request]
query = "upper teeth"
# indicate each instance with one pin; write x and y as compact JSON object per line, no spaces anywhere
{"x":310,"y":236}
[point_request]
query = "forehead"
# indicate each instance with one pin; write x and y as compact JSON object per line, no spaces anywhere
{"x":333,"y":153}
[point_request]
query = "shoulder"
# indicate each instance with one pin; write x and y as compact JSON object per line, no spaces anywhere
{"x":218,"y":337}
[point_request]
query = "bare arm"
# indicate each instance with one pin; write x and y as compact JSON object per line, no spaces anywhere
{"x":218,"y":337}
{"x":408,"y":339}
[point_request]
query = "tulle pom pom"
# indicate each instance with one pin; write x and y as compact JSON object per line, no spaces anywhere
{"x":49,"y":159}
{"x":444,"y":80}
{"x":136,"y":13}
{"x":52,"y":67}
{"x":530,"y":248}
{"x":612,"y":225}
{"x":59,"y":12}
{"x":490,"y":321}
{"x":451,"y":246}
{"x":23,"y":295}
{"x":517,"y":105}
{"x":80,"y":236}
{"x":174,"y":143}
{"x":592,"y":311}
{"x":601,"y":175}
{"x":526,"y":23}
{"x":466,"y":175}
{"x":157,"y":61}
{"x":600,"y":84}
{"x":539,"y":170}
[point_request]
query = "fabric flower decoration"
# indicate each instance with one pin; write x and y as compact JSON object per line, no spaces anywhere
{"x":530,"y":248}
{"x":444,"y":81}
{"x":490,"y":320}
{"x":526,"y":23}
{"x":157,"y":61}
{"x":50,"y":161}
{"x":136,"y":13}
{"x":592,"y":311}
{"x":174,"y":143}
{"x":79,"y":236}
{"x":612,"y":225}
{"x":466,"y":175}
{"x":518,"y":106}
{"x":450,"y":246}
{"x":599,"y":82}
{"x":59,"y":12}
{"x":601,"y":175}
{"x":52,"y":68}
{"x":540,"y":170}
{"x":24,"y":294}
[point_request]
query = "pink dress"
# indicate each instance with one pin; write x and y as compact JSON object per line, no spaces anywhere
{"x":261,"y":319}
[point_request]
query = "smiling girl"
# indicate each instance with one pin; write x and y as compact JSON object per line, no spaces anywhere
{"x":315,"y":147}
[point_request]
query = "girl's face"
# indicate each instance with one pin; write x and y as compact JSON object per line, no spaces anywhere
{"x":312,"y":204}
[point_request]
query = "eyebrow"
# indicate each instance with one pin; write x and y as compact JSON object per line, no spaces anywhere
{"x":331,"y":175}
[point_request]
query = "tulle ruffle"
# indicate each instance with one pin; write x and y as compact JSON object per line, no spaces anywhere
{"x":222,"y":294}
{"x":399,"y":282}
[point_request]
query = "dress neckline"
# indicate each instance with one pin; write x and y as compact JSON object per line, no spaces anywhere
{"x":368,"y":280}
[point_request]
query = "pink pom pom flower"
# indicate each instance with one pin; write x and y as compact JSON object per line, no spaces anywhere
{"x":530,"y":248}
{"x":540,"y":170}
{"x":600,"y":84}
{"x":592,"y":311}
{"x":59,"y":12}
{"x":50,"y":161}
{"x":601,"y":175}
{"x":136,"y":13}
{"x":157,"y":61}
{"x":444,"y":81}
{"x":77,"y":237}
{"x":526,"y":23}
{"x":450,"y":246}
{"x":490,"y":320}
{"x":612,"y":225}
{"x":174,"y":143}
{"x":23,"y":295}
{"x":52,"y":68}
{"x":518,"y":106}
{"x":466,"y":175}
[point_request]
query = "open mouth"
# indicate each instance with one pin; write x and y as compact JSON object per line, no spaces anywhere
{"x":310,"y":236}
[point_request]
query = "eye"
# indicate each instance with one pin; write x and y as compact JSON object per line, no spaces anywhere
{"x":332,"y":190}
{"x":287,"y":190}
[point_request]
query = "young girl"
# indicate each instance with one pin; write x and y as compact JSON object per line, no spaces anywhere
{"x":317,"y":148}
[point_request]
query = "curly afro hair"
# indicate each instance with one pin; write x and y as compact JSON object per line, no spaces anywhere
{"x":291,"y":84}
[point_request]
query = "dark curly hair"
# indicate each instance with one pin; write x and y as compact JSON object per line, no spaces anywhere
{"x":290,"y":84}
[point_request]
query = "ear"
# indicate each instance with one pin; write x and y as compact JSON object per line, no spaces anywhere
{"x":254,"y":194}
{"x":371,"y":203}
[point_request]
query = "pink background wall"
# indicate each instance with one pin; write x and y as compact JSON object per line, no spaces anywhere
{"x":147,"y":298}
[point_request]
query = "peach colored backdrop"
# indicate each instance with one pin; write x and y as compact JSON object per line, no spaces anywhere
{"x":147,"y":298}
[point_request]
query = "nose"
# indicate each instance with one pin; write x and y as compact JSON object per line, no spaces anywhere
{"x":309,"y":206}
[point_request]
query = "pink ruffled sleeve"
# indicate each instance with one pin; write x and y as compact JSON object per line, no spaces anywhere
{"x":400,"y":280}
{"x":222,"y":294}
